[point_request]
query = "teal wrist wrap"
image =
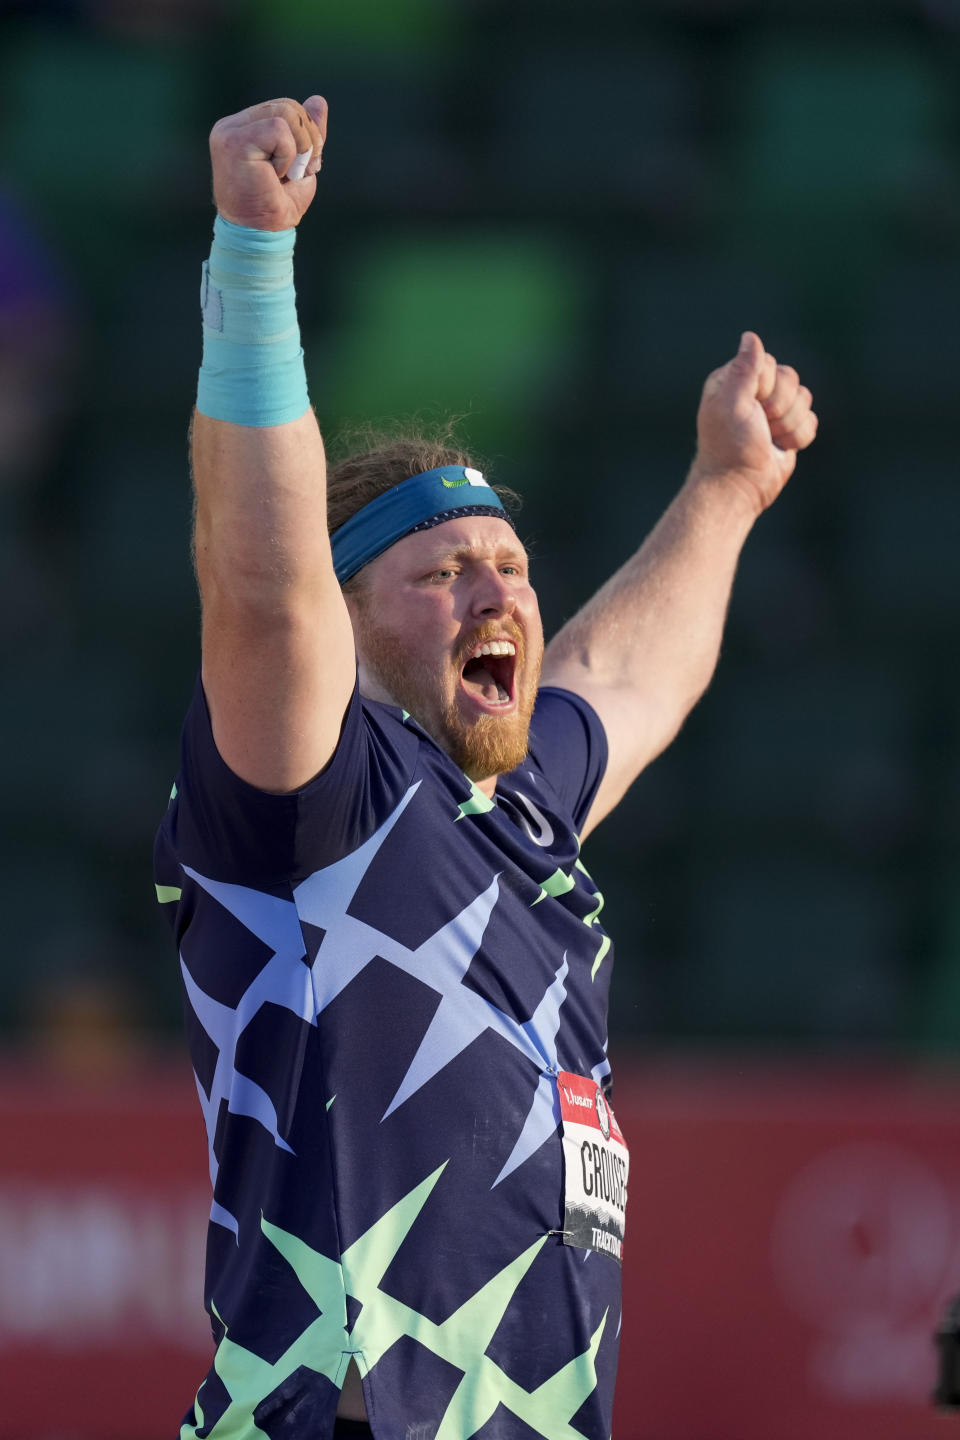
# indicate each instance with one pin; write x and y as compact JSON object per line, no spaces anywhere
{"x":252,"y":371}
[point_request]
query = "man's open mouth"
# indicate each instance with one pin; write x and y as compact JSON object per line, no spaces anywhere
{"x":489,"y":670}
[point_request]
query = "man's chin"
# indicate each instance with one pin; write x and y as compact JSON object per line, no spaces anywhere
{"x":489,"y":745}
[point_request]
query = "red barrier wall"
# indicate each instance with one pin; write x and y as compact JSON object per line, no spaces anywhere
{"x":792,"y":1235}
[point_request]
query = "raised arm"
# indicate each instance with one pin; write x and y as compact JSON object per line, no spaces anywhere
{"x":278,"y":656}
{"x":642,"y":651}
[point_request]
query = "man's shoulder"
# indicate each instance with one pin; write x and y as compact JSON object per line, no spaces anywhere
{"x":562,"y":718}
{"x":568,"y":746}
{"x":221,"y":824}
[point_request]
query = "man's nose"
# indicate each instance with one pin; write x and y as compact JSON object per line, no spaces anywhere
{"x":494,"y":594}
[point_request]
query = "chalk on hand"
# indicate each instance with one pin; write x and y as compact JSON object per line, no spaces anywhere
{"x":299,"y":167}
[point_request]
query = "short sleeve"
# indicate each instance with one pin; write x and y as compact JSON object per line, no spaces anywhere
{"x":227,"y":827}
{"x":569,"y":744}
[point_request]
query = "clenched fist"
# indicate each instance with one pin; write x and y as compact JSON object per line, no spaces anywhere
{"x":265,"y":161}
{"x":754,"y":417}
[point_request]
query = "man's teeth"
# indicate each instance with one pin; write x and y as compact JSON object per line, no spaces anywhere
{"x":494,"y":647}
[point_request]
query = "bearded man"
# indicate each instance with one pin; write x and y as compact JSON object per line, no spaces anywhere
{"x":396,"y":980}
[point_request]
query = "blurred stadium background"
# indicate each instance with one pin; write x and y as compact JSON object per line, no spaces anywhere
{"x":554,"y":221}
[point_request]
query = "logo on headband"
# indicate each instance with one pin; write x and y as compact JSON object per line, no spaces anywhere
{"x":470,"y":477}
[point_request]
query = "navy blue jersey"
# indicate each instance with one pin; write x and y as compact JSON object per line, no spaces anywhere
{"x":384,"y":973}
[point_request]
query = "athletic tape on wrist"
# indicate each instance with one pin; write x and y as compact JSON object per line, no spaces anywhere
{"x":252,"y":371}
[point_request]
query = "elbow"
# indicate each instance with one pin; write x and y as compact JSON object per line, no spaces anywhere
{"x":255,"y":598}
{"x":244,"y":576}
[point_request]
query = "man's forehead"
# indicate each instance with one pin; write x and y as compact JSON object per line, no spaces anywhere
{"x":468,"y":535}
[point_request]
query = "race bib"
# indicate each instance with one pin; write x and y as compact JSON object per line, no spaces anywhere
{"x":596,"y":1162}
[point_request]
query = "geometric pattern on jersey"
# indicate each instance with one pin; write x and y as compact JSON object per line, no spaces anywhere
{"x":461,"y":1339}
{"x":349,"y":945}
{"x":376,"y":1037}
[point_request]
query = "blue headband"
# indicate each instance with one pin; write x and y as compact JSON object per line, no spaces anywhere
{"x":414,"y":504}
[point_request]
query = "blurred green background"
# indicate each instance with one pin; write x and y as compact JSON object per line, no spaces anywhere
{"x":554,"y":220}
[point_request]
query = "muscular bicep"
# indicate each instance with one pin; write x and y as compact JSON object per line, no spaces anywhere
{"x":278,"y":654}
{"x":636,"y":731}
{"x":277,"y":691}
